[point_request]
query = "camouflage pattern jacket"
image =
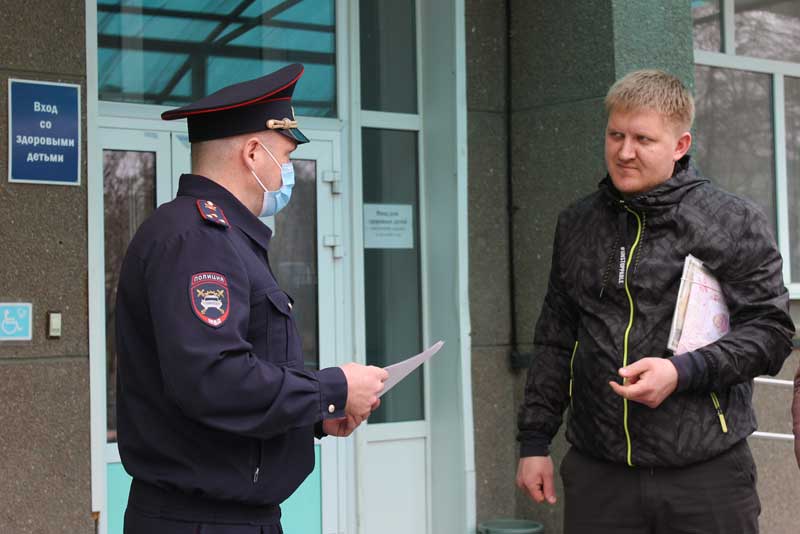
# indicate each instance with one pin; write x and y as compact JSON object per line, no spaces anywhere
{"x":614,"y":279}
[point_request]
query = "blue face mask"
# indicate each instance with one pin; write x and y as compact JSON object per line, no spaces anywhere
{"x":275,"y":201}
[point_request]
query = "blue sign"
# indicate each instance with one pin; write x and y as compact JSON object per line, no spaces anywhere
{"x":15,"y":321}
{"x":44,"y":132}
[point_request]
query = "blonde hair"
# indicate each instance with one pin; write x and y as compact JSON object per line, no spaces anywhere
{"x":656,"y":90}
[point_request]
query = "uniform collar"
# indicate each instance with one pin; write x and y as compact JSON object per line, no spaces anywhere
{"x":196,"y":186}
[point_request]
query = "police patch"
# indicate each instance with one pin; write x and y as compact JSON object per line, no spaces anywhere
{"x":210,"y":299}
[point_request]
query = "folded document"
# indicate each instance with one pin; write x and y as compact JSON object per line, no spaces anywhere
{"x":701,"y":314}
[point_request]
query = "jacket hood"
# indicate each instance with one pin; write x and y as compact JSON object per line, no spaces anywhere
{"x":685,"y":177}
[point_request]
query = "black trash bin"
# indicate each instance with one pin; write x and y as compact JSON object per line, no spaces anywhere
{"x":510,"y":526}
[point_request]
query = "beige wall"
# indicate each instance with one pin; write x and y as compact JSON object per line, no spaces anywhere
{"x":44,"y":384}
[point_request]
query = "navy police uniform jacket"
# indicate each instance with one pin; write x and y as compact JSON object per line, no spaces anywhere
{"x":213,"y":400}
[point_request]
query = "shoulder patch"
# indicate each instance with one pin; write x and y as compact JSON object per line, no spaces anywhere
{"x":210,"y":298}
{"x":212,"y":213}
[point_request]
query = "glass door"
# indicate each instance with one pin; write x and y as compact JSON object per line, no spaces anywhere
{"x":304,"y":254}
{"x":137,"y":177}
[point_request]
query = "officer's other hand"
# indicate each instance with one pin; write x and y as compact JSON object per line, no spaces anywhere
{"x":648,"y":381}
{"x":535,"y":477}
{"x":341,"y":427}
{"x":363,"y":385}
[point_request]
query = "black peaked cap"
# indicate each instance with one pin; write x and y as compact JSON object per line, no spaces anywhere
{"x":244,"y":107}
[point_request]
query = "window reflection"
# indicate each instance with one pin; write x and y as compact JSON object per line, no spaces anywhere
{"x":392,"y":289}
{"x":733,"y":140}
{"x":707,"y":25}
{"x":293,"y":255}
{"x":792,"y":92}
{"x":388,"y":55}
{"x":129,"y":187}
{"x":171,"y":52}
{"x":768,"y":29}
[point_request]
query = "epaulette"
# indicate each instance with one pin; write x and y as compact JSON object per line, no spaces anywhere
{"x":212,"y":213}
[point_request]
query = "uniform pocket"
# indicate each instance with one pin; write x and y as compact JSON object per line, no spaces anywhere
{"x":279,"y":326}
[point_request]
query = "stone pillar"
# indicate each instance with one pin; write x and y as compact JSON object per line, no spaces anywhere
{"x":44,"y":384}
{"x":489,"y":274}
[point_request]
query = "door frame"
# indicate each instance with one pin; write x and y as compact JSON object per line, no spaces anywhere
{"x":102,"y":452}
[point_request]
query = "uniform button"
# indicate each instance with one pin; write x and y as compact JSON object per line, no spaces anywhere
{"x":331,"y":408}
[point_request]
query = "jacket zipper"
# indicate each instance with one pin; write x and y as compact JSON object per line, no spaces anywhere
{"x":571,"y":374}
{"x":721,"y":415}
{"x":258,"y":463}
{"x":630,"y":323}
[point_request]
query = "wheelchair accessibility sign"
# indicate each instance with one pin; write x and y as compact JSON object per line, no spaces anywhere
{"x":15,"y":321}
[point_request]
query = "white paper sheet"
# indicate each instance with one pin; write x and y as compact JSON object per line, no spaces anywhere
{"x":399,"y":371}
{"x":701,"y":315}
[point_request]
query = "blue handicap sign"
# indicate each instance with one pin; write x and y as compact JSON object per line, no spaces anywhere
{"x":44,"y":132}
{"x":15,"y":321}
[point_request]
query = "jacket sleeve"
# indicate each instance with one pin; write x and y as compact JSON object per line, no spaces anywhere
{"x":547,"y":387}
{"x":761,"y":329}
{"x":211,"y":372}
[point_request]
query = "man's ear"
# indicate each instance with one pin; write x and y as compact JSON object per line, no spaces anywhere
{"x":682,"y":146}
{"x":250,"y":152}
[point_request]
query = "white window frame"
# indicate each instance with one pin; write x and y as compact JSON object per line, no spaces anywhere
{"x":778,"y":70}
{"x":412,"y":122}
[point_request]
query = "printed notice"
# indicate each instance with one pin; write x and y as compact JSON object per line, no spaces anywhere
{"x":44,"y":134}
{"x":389,"y":226}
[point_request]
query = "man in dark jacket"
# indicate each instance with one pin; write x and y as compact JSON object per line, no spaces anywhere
{"x":216,"y":414}
{"x":658,"y":440}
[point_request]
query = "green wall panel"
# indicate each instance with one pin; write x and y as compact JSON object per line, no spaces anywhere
{"x":302,"y":512}
{"x":119,"y":483}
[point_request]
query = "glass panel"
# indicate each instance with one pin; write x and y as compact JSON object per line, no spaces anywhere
{"x":293,"y":254}
{"x":392,"y":290}
{"x":388,"y":55}
{"x":707,"y":25}
{"x":792,"y":92}
{"x":768,"y":29}
{"x":171,"y":52}
{"x":733,"y":133}
{"x":129,"y":197}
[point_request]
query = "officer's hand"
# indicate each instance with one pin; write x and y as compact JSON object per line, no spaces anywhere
{"x":648,"y":381}
{"x":363,"y":385}
{"x":341,"y":427}
{"x":535,"y":477}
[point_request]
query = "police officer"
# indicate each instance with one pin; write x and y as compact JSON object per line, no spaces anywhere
{"x":216,"y":415}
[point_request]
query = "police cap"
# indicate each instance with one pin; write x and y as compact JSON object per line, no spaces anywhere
{"x":253,"y":106}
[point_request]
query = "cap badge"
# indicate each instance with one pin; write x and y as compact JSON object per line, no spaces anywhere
{"x":282,"y":124}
